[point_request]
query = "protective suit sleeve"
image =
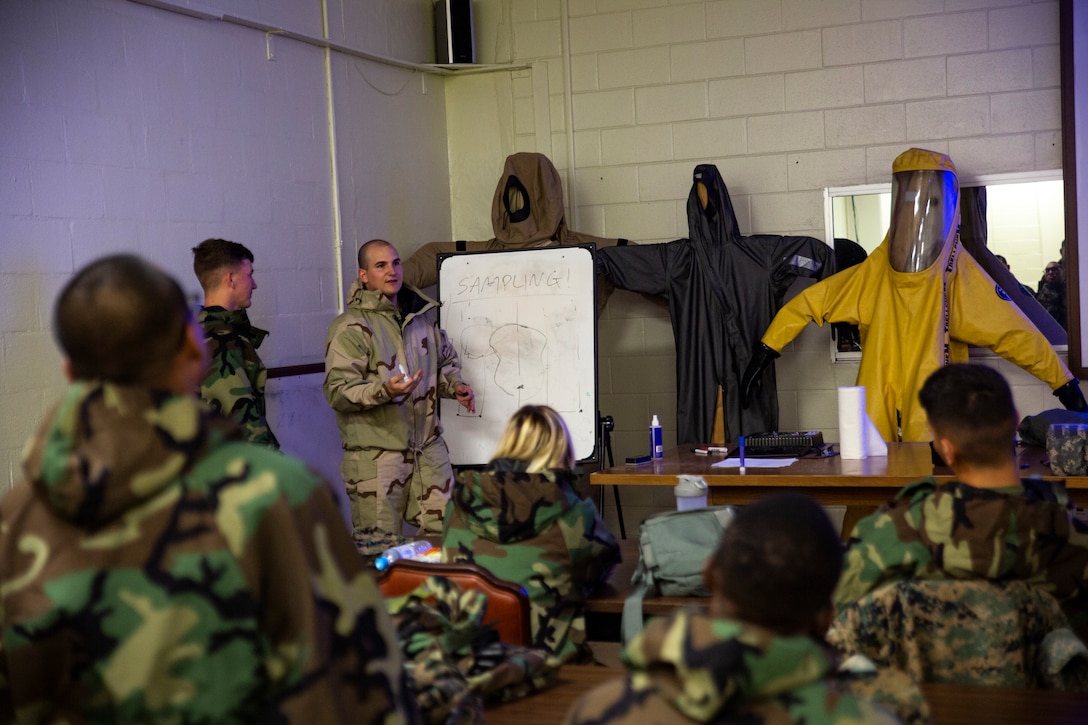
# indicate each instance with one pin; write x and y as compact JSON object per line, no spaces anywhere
{"x":348,"y":386}
{"x":642,"y":268}
{"x":421,"y":269}
{"x":980,"y":315}
{"x":449,"y":366}
{"x":828,"y":301}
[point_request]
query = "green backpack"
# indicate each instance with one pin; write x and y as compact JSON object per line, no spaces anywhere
{"x":673,"y":547}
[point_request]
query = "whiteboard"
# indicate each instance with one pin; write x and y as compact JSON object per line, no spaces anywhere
{"x":524,"y":324}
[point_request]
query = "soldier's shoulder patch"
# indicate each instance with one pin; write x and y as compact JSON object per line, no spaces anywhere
{"x":1001,"y":293}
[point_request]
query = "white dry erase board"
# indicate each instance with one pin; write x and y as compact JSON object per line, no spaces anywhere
{"x":524,"y":322}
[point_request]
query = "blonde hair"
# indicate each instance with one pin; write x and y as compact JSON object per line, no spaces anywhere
{"x":537,"y":434}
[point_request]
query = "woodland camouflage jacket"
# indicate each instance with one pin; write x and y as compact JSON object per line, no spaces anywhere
{"x":236,"y":376}
{"x":692,"y":668}
{"x":955,"y":531}
{"x":533,"y":529}
{"x":152,"y":570}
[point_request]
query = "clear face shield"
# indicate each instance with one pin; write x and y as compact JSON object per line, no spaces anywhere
{"x":923,"y":210}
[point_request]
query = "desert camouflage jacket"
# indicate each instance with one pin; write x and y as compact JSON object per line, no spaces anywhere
{"x":533,"y":529}
{"x":363,"y":348}
{"x":955,"y":531}
{"x":152,"y":570}
{"x":236,"y":375}
{"x":692,"y":668}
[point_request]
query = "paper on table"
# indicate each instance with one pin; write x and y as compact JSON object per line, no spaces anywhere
{"x":755,"y":462}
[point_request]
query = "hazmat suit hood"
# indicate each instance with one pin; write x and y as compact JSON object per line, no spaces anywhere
{"x":925,"y":209}
{"x":528,"y":206}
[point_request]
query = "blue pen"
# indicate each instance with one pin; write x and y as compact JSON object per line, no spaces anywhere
{"x":742,"y":455}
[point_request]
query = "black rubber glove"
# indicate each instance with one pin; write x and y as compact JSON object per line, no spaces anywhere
{"x":1071,"y":397}
{"x":751,"y":382}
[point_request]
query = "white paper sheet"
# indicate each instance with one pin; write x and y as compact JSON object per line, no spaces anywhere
{"x":755,"y":463}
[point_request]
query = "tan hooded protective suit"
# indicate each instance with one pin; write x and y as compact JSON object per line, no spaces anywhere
{"x":527,"y":211}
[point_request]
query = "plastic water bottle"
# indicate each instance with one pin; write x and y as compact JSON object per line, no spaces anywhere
{"x":657,"y":450}
{"x":405,"y":551}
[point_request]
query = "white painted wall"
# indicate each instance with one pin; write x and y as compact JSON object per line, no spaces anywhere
{"x":129,"y":128}
{"x":786,"y":97}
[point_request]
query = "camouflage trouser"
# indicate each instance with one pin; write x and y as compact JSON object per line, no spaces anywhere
{"x":388,"y":488}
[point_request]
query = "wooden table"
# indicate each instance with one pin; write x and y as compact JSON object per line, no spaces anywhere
{"x":949,"y":704}
{"x":832,"y":480}
{"x":860,"y":485}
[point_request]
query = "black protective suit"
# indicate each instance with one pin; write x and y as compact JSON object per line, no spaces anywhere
{"x":723,"y":291}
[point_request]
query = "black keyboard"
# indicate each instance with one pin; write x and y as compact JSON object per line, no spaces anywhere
{"x":780,"y":445}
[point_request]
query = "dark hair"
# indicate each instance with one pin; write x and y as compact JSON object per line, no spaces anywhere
{"x":779,"y":562}
{"x":363,"y":250}
{"x":972,"y":406}
{"x":212,"y":255}
{"x":121,"y":319}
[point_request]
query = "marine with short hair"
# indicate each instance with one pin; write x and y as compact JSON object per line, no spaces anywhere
{"x":153,"y":567}
{"x":988,"y":523}
{"x":236,"y":376}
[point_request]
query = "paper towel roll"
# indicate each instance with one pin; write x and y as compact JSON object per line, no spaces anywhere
{"x":852,"y":419}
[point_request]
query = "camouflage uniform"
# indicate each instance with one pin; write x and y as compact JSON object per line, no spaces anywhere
{"x":454,"y":661}
{"x":236,"y":375}
{"x":692,"y":668}
{"x":956,"y":531}
{"x":970,"y":632}
{"x":533,"y":529}
{"x":152,"y":570}
{"x":396,"y":465}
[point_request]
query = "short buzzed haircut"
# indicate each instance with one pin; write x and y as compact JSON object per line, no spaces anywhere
{"x":122,"y":320}
{"x":779,"y":562}
{"x":212,"y":255}
{"x":363,"y":250}
{"x":972,"y":406}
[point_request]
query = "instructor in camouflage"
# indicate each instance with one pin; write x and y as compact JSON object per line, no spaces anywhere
{"x":757,"y":656}
{"x":387,"y":362}
{"x":988,"y":524}
{"x":155,"y":569}
{"x":522,"y":520}
{"x":236,"y":376}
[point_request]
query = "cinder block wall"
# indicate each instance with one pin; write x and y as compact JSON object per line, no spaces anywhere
{"x":786,"y":97}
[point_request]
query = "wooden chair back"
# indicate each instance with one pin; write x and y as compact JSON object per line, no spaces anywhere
{"x":507,"y":602}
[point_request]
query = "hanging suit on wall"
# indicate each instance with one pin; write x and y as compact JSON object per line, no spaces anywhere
{"x":527,"y":211}
{"x":723,"y":289}
{"x":919,"y":300}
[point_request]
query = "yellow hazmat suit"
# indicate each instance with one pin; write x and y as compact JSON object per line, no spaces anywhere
{"x":912,"y":322}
